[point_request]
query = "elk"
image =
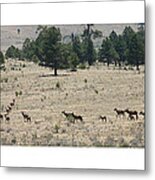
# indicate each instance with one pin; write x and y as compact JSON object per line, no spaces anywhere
{"x":142,"y":113}
{"x":69,"y":116}
{"x":26,"y":117}
{"x":119,"y":112}
{"x":7,"y":118}
{"x":131,"y":117}
{"x":103,"y":118}
{"x":12,"y":103}
{"x":1,"y":117}
{"x":8,"y":109}
{"x":132,"y":113}
{"x":66,"y":114}
{"x":77,"y":117}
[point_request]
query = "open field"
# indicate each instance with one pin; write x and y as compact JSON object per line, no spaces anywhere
{"x":90,"y":93}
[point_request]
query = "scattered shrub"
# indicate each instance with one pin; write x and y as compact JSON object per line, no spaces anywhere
{"x":16,"y":79}
{"x":96,"y":91}
{"x":58,"y":85}
{"x":85,"y":80}
{"x":82,"y":66}
{"x":20,"y":93}
{"x":56,"y":128}
{"x":16,"y":94}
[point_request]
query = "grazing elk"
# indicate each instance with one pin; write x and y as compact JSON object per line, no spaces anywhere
{"x":1,"y":117}
{"x":77,"y":117}
{"x":132,"y":113}
{"x":119,"y":113}
{"x":12,"y":103}
{"x":142,"y":113}
{"x":69,"y":116}
{"x":7,"y":118}
{"x":8,"y":109}
{"x":26,"y":117}
{"x":103,"y":118}
{"x":131,"y":117}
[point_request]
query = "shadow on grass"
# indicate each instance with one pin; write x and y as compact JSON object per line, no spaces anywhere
{"x":52,"y":75}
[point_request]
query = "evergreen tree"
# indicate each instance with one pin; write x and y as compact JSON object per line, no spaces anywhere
{"x":13,"y":52}
{"x":49,"y":47}
{"x":128,"y":33}
{"x":28,"y":49}
{"x":89,"y":53}
{"x":77,"y":48}
{"x":108,"y":52}
{"x":1,"y":58}
{"x":121,"y":49}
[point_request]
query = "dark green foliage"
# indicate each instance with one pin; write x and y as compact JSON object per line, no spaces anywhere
{"x":1,"y":58}
{"x":69,"y":59}
{"x":49,"y":47}
{"x":29,"y":49}
{"x":89,"y":54}
{"x":128,"y":33}
{"x":134,"y":52}
{"x":127,"y":48}
{"x":13,"y":52}
{"x":121,"y":48}
{"x":51,"y":51}
{"x":107,"y":53}
{"x":77,"y":48}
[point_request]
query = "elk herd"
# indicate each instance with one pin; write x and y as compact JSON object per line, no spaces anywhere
{"x":6,"y":116}
{"x":132,"y":115}
{"x":72,"y":117}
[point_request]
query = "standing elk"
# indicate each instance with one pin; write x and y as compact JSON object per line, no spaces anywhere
{"x":1,"y":117}
{"x":26,"y":117}
{"x":132,"y":113}
{"x":12,"y":103}
{"x":119,"y":113}
{"x":103,"y":118}
{"x":142,"y":113}
{"x":77,"y":117}
{"x":8,"y":109}
{"x":7,"y":118}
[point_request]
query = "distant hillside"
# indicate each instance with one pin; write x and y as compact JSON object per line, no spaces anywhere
{"x":10,"y":36}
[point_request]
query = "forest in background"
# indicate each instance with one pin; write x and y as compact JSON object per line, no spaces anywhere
{"x":51,"y":50}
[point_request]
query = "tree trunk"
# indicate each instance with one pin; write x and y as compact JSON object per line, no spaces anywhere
{"x":115,"y":62}
{"x":108,"y":62}
{"x":55,"y":68}
{"x":55,"y":71}
{"x":137,"y":66}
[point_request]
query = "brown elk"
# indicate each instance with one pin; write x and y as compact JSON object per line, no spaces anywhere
{"x":72,"y":117}
{"x":132,"y":113}
{"x":7,"y":118}
{"x":119,"y":113}
{"x":12,"y":103}
{"x":26,"y":117}
{"x":142,"y":113}
{"x":103,"y":118}
{"x":1,"y":117}
{"x":77,"y":117}
{"x":8,"y":109}
{"x":131,"y":117}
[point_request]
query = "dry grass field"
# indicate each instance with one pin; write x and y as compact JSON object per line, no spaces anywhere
{"x":90,"y":93}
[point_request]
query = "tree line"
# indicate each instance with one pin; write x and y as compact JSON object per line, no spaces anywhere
{"x":49,"y":49}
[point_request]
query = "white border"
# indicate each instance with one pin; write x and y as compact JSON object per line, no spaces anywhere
{"x":66,"y":157}
{"x":60,"y":13}
{"x":73,"y":13}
